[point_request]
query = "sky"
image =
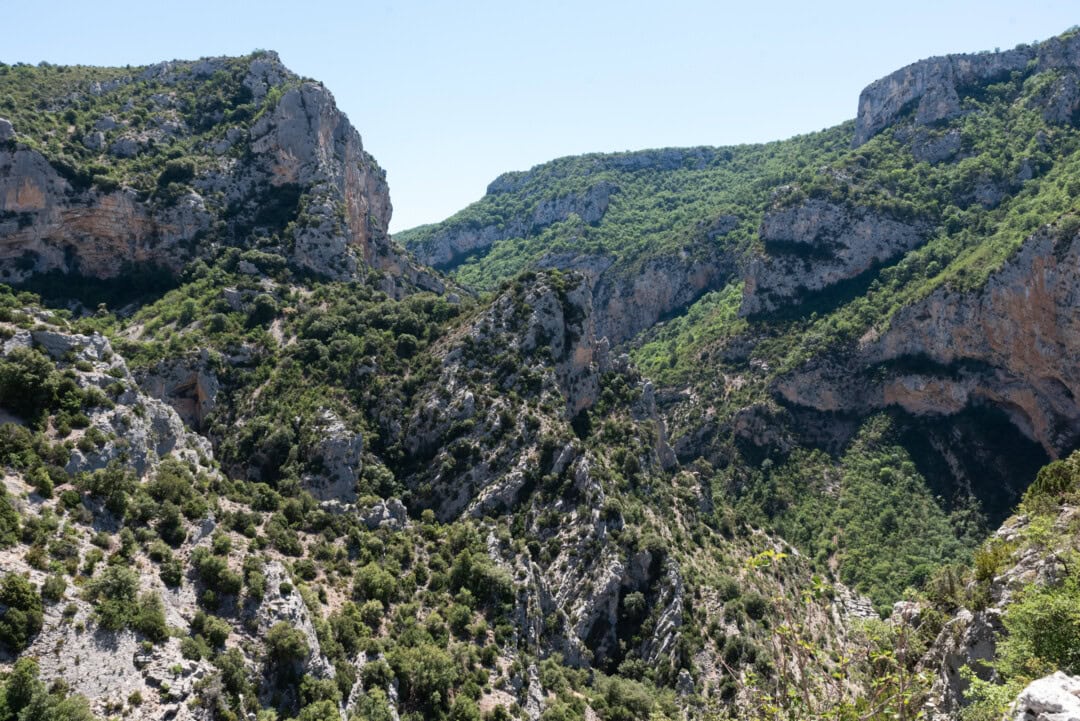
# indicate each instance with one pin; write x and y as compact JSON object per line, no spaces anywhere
{"x":448,"y":95}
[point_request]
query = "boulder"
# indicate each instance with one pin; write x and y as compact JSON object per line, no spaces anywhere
{"x":1051,"y":698}
{"x":390,"y":514}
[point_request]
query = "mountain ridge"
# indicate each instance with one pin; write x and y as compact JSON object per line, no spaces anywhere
{"x":638,"y":454}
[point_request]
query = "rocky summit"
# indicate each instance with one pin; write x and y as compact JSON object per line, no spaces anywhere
{"x":781,"y":431}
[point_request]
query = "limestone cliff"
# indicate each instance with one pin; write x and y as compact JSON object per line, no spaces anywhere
{"x":818,"y":244}
{"x":626,"y":302}
{"x":289,"y":174}
{"x":1007,"y":344}
{"x":934,"y":87}
{"x":47,"y":224}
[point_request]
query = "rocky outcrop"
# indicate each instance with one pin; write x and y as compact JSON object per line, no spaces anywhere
{"x":47,"y":224}
{"x":629,"y":302}
{"x":135,"y":430}
{"x":970,"y":638}
{"x":1051,"y":698}
{"x":538,"y":339}
{"x":933,"y":87}
{"x":188,"y":384}
{"x":454,"y":242}
{"x":933,"y":147}
{"x":305,"y":141}
{"x":1009,"y":344}
{"x":279,"y":606}
{"x":390,"y":514}
{"x":297,"y":172}
{"x":967,"y":641}
{"x":109,"y":667}
{"x":336,"y":453}
{"x":629,"y":299}
{"x":818,"y":244}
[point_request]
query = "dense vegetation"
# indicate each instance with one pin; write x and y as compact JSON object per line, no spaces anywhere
{"x":58,"y":110}
{"x":666,"y":201}
{"x":722,"y":532}
{"x":1009,"y":171}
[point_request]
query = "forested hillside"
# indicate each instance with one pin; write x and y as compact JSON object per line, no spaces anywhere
{"x":682,"y":433}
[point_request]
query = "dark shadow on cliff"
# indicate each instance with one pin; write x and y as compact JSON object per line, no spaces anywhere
{"x":977,"y":453}
{"x":134,"y":285}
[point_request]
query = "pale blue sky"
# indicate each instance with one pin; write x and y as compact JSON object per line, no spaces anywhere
{"x":447,"y":95}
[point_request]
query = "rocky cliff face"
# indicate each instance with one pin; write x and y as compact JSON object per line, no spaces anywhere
{"x":818,"y":244}
{"x":452,"y":244}
{"x":306,"y":141}
{"x":934,"y":87}
{"x":189,"y":384}
{"x":47,"y":224}
{"x":627,"y":302}
{"x":296,"y":177}
{"x":1006,"y":345}
{"x":539,"y":340}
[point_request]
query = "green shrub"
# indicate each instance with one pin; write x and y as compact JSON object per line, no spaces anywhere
{"x":52,"y":590}
{"x":29,"y":383}
{"x":9,"y":520}
{"x":755,"y":605}
{"x":374,"y":583}
{"x":24,"y":613}
{"x":425,"y":674}
{"x":149,"y":618}
{"x":1053,"y":480}
{"x":214,"y":629}
{"x":1043,"y":630}
{"x":214,"y":572}
{"x":114,"y":595}
{"x":728,"y":588}
{"x":176,"y":171}
{"x":286,"y":647}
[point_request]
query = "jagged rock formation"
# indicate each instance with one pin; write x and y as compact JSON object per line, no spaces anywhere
{"x":338,"y":453}
{"x":298,"y":172}
{"x":141,"y":429}
{"x":1032,"y":547}
{"x":1006,"y":344}
{"x":934,"y":87}
{"x":543,"y":336}
{"x":818,"y":244}
{"x":968,"y":641}
{"x":188,"y":384}
{"x":626,"y":304}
